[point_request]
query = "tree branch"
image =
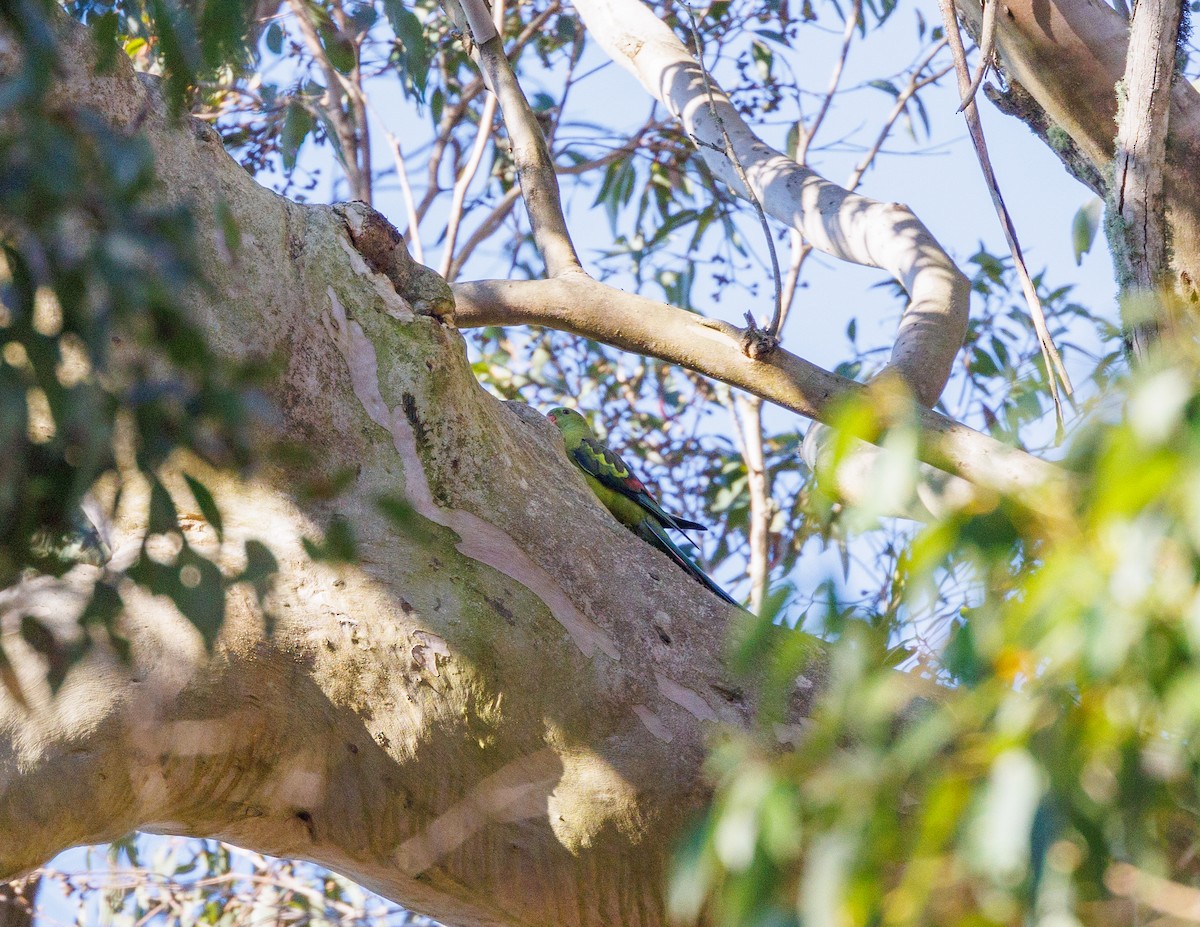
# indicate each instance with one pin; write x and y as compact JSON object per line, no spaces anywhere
{"x":844,"y":225}
{"x":1055,"y":371}
{"x":464,"y":181}
{"x":504,"y":206}
{"x":539,"y":185}
{"x":1137,"y":223}
{"x":635,"y":323}
{"x":1069,"y":54}
{"x":413,"y":231}
{"x":835,"y":78}
{"x":987,"y":50}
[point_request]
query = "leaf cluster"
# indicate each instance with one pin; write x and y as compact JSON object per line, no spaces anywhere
{"x":1042,"y":763}
{"x":103,"y":375}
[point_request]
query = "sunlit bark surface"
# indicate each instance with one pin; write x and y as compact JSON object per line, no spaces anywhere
{"x":498,"y":717}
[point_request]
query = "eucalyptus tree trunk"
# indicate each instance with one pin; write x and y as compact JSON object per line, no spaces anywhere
{"x":498,"y":716}
{"x":1066,"y":60}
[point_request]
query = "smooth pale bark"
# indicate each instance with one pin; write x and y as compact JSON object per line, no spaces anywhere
{"x":846,"y":225}
{"x":498,"y":717}
{"x":1069,"y":55}
{"x":1137,"y":224}
{"x":576,"y":303}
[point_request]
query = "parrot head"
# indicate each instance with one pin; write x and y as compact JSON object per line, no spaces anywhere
{"x":569,"y":422}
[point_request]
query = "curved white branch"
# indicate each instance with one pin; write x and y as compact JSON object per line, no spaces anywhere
{"x":842,"y":224}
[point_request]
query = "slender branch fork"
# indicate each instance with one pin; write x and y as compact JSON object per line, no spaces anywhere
{"x":463,"y":182}
{"x":835,"y":79}
{"x":917,"y":82}
{"x":531,"y":156}
{"x":571,"y":301}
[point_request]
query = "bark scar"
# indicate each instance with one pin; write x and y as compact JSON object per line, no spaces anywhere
{"x":381,"y":247}
{"x":478,"y":539}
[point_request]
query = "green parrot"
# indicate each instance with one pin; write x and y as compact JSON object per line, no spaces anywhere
{"x":626,"y":496}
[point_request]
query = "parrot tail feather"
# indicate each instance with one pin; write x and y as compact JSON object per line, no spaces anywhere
{"x":651,"y":532}
{"x":684,"y":524}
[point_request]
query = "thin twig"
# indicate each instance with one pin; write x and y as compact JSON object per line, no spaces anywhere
{"x":761,"y":340}
{"x":1055,"y":371}
{"x":746,"y":412}
{"x":484,"y":231}
{"x":802,"y":249}
{"x":413,"y":238}
{"x":465,"y":178}
{"x":835,"y":80}
{"x":531,"y":157}
{"x":346,"y":136}
{"x":915,"y":85}
{"x":577,"y":48}
{"x":500,"y":211}
{"x":452,"y":116}
{"x":358,"y":103}
{"x":987,"y":48}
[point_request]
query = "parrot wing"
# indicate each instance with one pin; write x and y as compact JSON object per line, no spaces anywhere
{"x":651,"y":532}
{"x":607,"y":467}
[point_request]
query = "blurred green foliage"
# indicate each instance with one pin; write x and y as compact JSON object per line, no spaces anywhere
{"x":1043,"y":766}
{"x":103,"y":376}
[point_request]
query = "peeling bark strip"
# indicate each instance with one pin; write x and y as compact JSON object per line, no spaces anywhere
{"x":480,"y":540}
{"x":842,"y":224}
{"x":1139,"y":235}
{"x":517,"y":792}
{"x":688,"y":699}
{"x":653,"y":723}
